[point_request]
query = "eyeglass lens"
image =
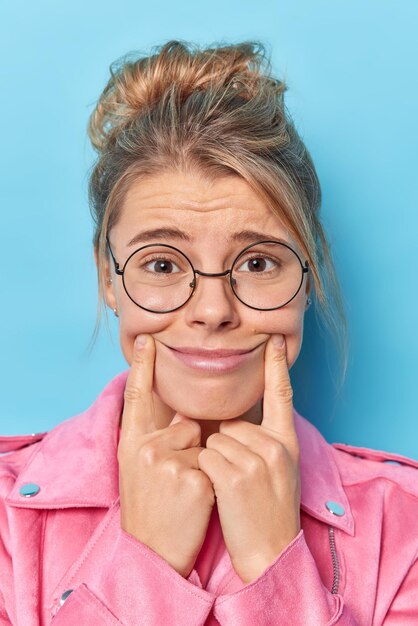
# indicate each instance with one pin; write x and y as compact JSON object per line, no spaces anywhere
{"x":264,"y":276}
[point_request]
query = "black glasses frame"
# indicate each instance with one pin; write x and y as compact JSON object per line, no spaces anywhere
{"x":232,"y":281}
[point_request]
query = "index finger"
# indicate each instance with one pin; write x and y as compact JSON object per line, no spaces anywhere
{"x":278,"y":392}
{"x":138,"y":409}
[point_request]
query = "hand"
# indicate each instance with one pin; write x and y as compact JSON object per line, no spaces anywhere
{"x":255,"y":474}
{"x":166,"y":500}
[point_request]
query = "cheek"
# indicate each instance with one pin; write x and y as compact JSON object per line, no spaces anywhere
{"x":134,"y":322}
{"x":294,"y":342}
{"x":288,"y":322}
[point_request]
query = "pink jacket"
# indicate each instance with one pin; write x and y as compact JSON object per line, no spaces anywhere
{"x":65,"y":560}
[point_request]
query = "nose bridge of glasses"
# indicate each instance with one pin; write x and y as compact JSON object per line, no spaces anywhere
{"x":212,"y":275}
{"x":225,"y":273}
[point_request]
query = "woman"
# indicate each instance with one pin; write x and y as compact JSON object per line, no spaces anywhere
{"x":191,"y":491}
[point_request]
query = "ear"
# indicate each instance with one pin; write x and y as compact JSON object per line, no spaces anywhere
{"x":109,"y":292}
{"x":309,"y":284}
{"x":308,"y":290}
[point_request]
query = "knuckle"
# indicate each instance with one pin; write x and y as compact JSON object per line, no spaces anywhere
{"x":274,"y":449}
{"x":254,"y":465}
{"x":202,"y":455}
{"x":172,"y":467}
{"x":225,"y":426}
{"x":201,"y":486}
{"x":149,"y":454}
{"x":282,"y":455}
{"x":132,"y":393}
{"x":138,"y":356}
{"x":212,"y":439}
{"x":196,"y":482}
{"x":237,"y":482}
{"x":280,"y":356}
{"x":284,"y":390}
{"x":276,"y":453}
{"x":193,"y":427}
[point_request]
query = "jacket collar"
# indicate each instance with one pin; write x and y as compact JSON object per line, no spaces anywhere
{"x":75,"y":463}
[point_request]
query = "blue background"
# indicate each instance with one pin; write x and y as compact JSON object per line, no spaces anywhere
{"x":352,"y":78}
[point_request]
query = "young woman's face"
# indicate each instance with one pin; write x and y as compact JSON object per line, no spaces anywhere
{"x":210,"y":213}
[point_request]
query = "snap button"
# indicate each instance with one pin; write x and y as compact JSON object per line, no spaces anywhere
{"x":29,"y":489}
{"x":65,"y":596}
{"x":334,"y":508}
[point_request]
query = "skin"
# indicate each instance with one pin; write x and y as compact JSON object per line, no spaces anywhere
{"x":232,"y":438}
{"x":213,"y":317}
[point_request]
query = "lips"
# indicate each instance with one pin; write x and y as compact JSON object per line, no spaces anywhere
{"x":214,"y":361}
{"x":211,"y":353}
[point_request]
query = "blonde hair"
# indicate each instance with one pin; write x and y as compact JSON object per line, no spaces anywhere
{"x":218,"y":111}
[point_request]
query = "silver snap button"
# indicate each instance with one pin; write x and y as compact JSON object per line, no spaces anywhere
{"x":334,"y":508}
{"x":65,"y":596}
{"x":29,"y":489}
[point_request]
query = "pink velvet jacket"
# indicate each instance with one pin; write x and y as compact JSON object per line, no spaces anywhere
{"x":65,"y":560}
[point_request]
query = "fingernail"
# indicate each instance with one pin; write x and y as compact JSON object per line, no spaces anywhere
{"x":140,"y":341}
{"x":278,"y":341}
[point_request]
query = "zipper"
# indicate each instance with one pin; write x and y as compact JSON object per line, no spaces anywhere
{"x":334,"y":557}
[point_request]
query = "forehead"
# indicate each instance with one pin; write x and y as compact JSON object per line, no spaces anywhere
{"x":199,"y":206}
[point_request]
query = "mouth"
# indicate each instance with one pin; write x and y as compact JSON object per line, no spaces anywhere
{"x":209,"y":360}
{"x":212,"y":352}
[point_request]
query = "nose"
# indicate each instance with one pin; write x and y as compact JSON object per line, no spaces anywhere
{"x":213,"y":304}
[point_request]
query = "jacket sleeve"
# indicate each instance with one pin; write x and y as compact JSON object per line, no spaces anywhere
{"x":133,"y":585}
{"x":289,"y":591}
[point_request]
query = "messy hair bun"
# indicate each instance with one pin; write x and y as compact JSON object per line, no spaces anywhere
{"x":137,"y":85}
{"x":218,"y":111}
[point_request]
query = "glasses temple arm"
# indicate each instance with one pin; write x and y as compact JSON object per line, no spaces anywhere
{"x":116,"y":264}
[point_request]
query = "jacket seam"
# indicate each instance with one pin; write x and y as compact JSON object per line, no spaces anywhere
{"x":134,"y":543}
{"x":382,"y":478}
{"x":284,"y":556}
{"x":59,"y":503}
{"x":339,"y":607}
{"x":41,"y":558}
{"x":98,"y":604}
{"x":24,"y":465}
{"x":8,"y":475}
{"x":87,"y":550}
{"x":374,"y":454}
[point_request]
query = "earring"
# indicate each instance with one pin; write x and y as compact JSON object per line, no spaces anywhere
{"x":115,"y":311}
{"x":109,"y":282}
{"x":308,"y":303}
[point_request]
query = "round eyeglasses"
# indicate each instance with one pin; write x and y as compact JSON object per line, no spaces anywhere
{"x":266,"y":275}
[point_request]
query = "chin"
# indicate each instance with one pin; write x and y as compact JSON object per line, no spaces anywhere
{"x":214,"y":402}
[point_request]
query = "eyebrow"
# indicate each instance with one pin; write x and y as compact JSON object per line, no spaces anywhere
{"x":243,"y":236}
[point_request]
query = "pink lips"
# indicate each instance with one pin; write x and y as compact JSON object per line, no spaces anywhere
{"x":211,"y":360}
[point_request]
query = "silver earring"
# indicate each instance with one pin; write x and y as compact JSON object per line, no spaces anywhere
{"x":115,"y":311}
{"x":109,"y":282}
{"x":308,"y":303}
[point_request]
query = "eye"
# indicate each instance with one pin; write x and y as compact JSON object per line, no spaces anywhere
{"x":160,"y":265}
{"x":258,"y":264}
